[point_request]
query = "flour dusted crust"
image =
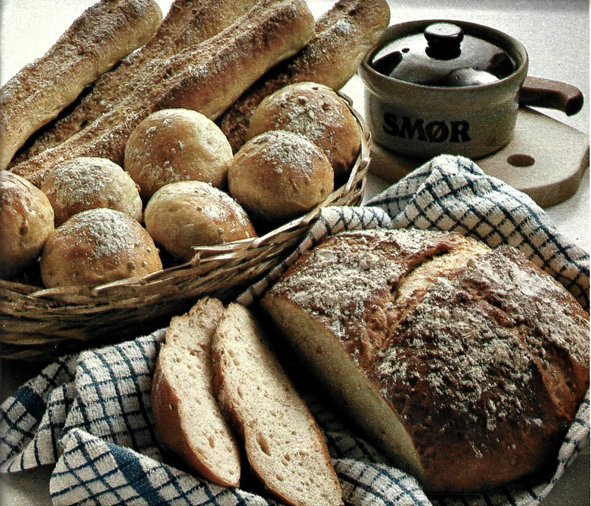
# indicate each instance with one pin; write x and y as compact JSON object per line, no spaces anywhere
{"x":90,"y":182}
{"x":465,"y":365}
{"x":186,"y":214}
{"x":26,"y":220}
{"x":97,"y":246}
{"x":279,"y":175}
{"x":316,"y":112}
{"x":177,"y":145}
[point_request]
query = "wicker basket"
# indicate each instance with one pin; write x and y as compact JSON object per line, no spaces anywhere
{"x":38,"y":323}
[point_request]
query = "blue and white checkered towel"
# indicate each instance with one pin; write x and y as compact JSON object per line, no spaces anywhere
{"x":89,"y":414}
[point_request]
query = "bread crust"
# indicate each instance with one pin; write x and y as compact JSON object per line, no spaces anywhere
{"x":342,"y":36}
{"x":187,"y":22}
{"x":206,"y":77}
{"x":481,"y":362}
{"x":104,"y":34}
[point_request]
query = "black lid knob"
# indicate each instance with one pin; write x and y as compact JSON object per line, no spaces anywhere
{"x":444,"y":40}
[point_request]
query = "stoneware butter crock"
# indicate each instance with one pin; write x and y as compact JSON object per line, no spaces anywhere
{"x":442,"y":86}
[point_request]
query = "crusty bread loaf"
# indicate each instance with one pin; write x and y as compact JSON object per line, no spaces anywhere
{"x":97,"y":246}
{"x":185,"y":410}
{"x":26,"y":220}
{"x":464,"y":364}
{"x":284,"y":445}
{"x":187,"y":22}
{"x":173,"y":145}
{"x":186,"y":214}
{"x":342,"y":37}
{"x":206,"y":77}
{"x":87,"y":182}
{"x":280,"y":175}
{"x":97,"y":40}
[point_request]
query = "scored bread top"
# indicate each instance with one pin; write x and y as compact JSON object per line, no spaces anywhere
{"x":482,"y":357}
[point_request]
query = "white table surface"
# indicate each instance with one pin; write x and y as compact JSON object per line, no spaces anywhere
{"x":556,"y":35}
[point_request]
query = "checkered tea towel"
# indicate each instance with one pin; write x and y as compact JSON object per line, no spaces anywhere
{"x":89,"y":414}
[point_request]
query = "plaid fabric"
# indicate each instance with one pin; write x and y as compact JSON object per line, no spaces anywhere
{"x":89,"y":414}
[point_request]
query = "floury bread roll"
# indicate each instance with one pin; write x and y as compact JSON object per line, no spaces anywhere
{"x":97,"y":40}
{"x":465,"y":365}
{"x":174,"y":145}
{"x":316,"y":112}
{"x":186,"y":214}
{"x":26,"y":220}
{"x":90,"y":182}
{"x":279,"y":175}
{"x":206,"y":77}
{"x":95,"y":247}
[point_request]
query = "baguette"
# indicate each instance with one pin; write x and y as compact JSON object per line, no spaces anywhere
{"x":97,"y":40}
{"x":284,"y":446}
{"x":342,"y":37}
{"x":187,"y":22}
{"x":185,"y":411}
{"x":465,"y":365}
{"x":206,"y":77}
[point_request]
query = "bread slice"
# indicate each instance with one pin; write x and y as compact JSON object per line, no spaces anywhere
{"x":284,"y":445}
{"x":185,"y":411}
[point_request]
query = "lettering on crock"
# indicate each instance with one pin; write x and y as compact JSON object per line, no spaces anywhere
{"x":434,"y":131}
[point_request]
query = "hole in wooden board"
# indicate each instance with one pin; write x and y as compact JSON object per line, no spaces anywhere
{"x":521,"y":160}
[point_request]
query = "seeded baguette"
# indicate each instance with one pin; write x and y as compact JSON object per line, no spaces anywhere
{"x":187,"y":22}
{"x":206,"y":77}
{"x":465,"y":365}
{"x":284,"y":445}
{"x":186,"y":413}
{"x":104,"y":34}
{"x":342,"y":37}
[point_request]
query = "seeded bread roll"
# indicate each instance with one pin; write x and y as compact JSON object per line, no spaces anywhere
{"x":186,"y":214}
{"x":26,"y":220}
{"x":97,"y":246}
{"x":186,"y":412}
{"x":316,"y":112}
{"x":279,"y":175}
{"x":465,"y":365}
{"x":177,"y":145}
{"x":283,"y":442}
{"x":90,"y":182}
{"x":97,"y":40}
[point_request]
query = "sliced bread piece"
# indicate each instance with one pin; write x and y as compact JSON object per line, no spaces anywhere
{"x":283,"y":443}
{"x":186,"y":413}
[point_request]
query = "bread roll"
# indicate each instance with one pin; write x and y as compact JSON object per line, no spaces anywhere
{"x":26,"y":220}
{"x":177,"y":145}
{"x":95,"y":247}
{"x":186,"y":413}
{"x":283,"y":442}
{"x":186,"y":214}
{"x":464,"y":365}
{"x":97,"y":40}
{"x":279,"y":175}
{"x":316,"y":112}
{"x":89,"y":182}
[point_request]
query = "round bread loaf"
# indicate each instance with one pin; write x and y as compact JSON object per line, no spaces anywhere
{"x":26,"y":220}
{"x":316,"y":112}
{"x":279,"y":175}
{"x":465,"y":365}
{"x":186,"y":214}
{"x":89,"y":182}
{"x":177,"y":145}
{"x":97,"y":246}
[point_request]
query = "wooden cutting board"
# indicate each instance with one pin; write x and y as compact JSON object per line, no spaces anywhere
{"x":546,"y":159}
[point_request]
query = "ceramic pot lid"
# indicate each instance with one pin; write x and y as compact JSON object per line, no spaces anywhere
{"x":443,"y":55}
